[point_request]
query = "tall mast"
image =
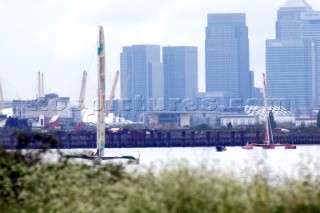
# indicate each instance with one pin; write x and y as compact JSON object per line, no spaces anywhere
{"x":267,"y":135}
{"x":101,"y":95}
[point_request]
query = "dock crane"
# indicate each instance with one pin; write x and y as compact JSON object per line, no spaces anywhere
{"x":123,"y":95}
{"x":40,"y":85}
{"x":1,"y":100}
{"x":81,"y":105}
{"x":83,"y":90}
{"x":112,"y":94}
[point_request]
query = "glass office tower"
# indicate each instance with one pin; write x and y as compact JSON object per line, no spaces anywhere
{"x":292,"y":59}
{"x":141,"y":76}
{"x":288,"y":25}
{"x":227,"y":55}
{"x":310,"y":29}
{"x":180,"y":66}
{"x":289,"y":73}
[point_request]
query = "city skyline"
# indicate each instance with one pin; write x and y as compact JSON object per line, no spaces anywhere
{"x":59,"y":38}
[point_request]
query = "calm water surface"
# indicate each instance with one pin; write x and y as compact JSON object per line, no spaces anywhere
{"x":279,"y":160}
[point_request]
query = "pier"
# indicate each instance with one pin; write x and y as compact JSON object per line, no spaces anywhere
{"x":143,"y":139}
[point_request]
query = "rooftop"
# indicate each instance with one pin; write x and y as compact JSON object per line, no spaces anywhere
{"x":297,"y":4}
{"x":277,"y":111}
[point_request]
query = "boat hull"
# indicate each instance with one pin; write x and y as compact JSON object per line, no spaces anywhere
{"x":269,"y":146}
{"x":290,"y":147}
{"x":249,"y":147}
{"x":220,"y":148}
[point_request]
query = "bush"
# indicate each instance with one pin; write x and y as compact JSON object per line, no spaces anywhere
{"x":201,"y":127}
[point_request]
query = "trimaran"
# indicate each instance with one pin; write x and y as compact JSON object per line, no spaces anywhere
{"x":268,"y":142}
{"x":101,"y":136}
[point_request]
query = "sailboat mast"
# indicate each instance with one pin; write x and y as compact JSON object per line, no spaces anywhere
{"x":266,"y":114}
{"x":101,"y":95}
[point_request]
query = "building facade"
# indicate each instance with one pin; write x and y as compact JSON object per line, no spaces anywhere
{"x":227,"y":55}
{"x":289,"y":72}
{"x":141,"y":78}
{"x":293,"y":58}
{"x":310,"y":30}
{"x":47,"y":107}
{"x":180,"y":66}
{"x":288,"y":25}
{"x":238,"y":120}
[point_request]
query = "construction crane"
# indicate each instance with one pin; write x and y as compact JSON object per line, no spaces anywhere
{"x":112,"y":94}
{"x":1,"y":100}
{"x":83,"y":90}
{"x":81,"y":105}
{"x":40,"y":85}
{"x":123,"y":95}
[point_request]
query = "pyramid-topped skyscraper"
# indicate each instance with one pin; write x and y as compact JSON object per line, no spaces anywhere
{"x":294,"y":4}
{"x":289,"y":19}
{"x":293,"y":58}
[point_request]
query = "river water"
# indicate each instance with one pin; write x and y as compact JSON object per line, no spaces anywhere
{"x":279,"y":161}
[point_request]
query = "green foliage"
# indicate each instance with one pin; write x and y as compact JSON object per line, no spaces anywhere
{"x":201,"y":127}
{"x":29,"y":185}
{"x":24,"y":139}
{"x":229,"y":125}
{"x":306,"y":129}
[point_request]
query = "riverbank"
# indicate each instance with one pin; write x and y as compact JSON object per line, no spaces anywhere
{"x":149,"y":138}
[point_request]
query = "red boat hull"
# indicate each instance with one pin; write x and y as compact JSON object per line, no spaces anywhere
{"x":247,"y":147}
{"x":290,"y":147}
{"x":269,"y":146}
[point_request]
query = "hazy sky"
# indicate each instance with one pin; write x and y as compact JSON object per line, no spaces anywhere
{"x":59,"y":37}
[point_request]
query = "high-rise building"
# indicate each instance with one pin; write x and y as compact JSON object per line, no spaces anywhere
{"x":293,"y":58}
{"x":288,"y":25}
{"x":289,"y":72}
{"x":227,"y":55}
{"x":180,"y":66}
{"x":141,"y":76}
{"x":310,"y":29}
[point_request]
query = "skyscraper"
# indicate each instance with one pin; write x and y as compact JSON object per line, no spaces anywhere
{"x":180,"y":65}
{"x":288,"y":25}
{"x":141,"y":76}
{"x":293,"y":58}
{"x":310,"y":29}
{"x":227,"y":55}
{"x":289,"y":73}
